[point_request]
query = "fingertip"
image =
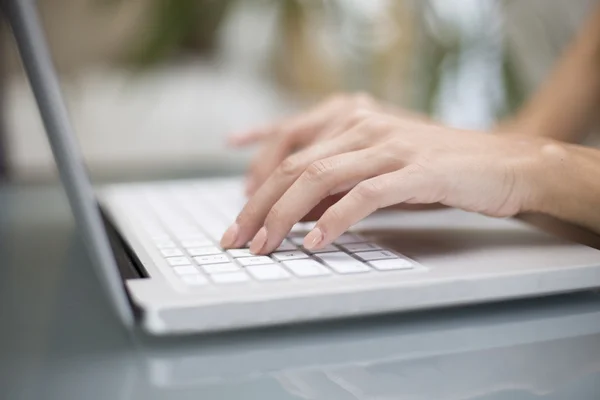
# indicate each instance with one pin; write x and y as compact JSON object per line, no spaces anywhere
{"x":259,"y":241}
{"x":314,"y":239}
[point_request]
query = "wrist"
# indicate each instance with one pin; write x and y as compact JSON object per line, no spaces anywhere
{"x":544,"y":177}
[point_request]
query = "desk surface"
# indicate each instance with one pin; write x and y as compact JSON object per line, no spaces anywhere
{"x":59,"y":339}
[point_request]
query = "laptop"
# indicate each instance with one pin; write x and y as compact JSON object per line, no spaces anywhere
{"x":155,"y":245}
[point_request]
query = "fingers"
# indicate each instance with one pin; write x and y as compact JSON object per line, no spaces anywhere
{"x":247,"y":138}
{"x":405,"y":185}
{"x":267,"y":159}
{"x":316,"y":183}
{"x":287,"y":138}
{"x":251,"y":218}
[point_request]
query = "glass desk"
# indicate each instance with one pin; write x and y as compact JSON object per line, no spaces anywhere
{"x":60,"y":340}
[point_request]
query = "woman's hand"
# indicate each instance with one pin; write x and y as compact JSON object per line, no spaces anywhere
{"x":376,"y":160}
{"x":283,"y":138}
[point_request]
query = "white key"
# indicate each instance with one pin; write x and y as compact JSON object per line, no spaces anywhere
{"x":286,"y":245}
{"x":376,"y":255}
{"x":307,"y":268}
{"x":289,"y":255}
{"x":268,"y":272}
{"x":194,"y":280}
{"x":175,"y":261}
{"x":246,"y":261}
{"x":230,"y":277}
{"x":159,"y":236}
{"x":348,"y":238}
{"x":356,"y":247}
{"x":342,"y":263}
{"x":302,"y":228}
{"x":204,"y":251}
{"x":171,"y":252}
{"x":158,"y":232}
{"x":297,"y":240}
{"x":391,"y":264}
{"x":164,"y":244}
{"x":212,"y":259}
{"x":191,"y":243}
{"x":327,"y":249}
{"x":237,"y":253}
{"x":185,"y":270}
{"x":194,"y":235}
{"x":220,"y":268}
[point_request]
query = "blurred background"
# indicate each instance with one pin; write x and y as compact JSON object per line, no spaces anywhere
{"x":155,"y":86}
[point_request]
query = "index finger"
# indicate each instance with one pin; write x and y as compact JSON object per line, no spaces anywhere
{"x":252,"y":216}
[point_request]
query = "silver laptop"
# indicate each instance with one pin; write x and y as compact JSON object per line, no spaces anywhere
{"x":156,"y":245}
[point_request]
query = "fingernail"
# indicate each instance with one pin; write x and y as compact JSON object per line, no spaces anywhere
{"x":313,"y":239}
{"x":259,"y":241}
{"x":230,"y":236}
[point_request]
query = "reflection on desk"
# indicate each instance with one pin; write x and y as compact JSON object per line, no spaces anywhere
{"x":522,"y":350}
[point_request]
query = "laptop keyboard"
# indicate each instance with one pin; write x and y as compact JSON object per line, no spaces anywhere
{"x":185,"y":225}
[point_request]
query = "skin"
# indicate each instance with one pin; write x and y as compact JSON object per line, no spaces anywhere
{"x":350,"y":156}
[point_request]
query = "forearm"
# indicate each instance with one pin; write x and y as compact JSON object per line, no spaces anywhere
{"x":566,"y":106}
{"x":565,"y":184}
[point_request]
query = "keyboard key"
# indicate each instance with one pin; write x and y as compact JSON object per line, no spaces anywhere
{"x":357,"y":247}
{"x":348,"y":238}
{"x":159,"y":237}
{"x":289,"y":255}
{"x":194,"y":280}
{"x":246,"y":261}
{"x":212,"y":259}
{"x":268,"y":272}
{"x":392,"y":264}
{"x":185,"y":270}
{"x":297,"y":240}
{"x":342,"y":263}
{"x":230,"y":277}
{"x":375,"y":255}
{"x":307,"y":268}
{"x":175,"y":261}
{"x":327,"y":249}
{"x":237,"y":253}
{"x":171,"y":252}
{"x":164,"y":244}
{"x":220,"y":268}
{"x":190,"y":236}
{"x":191,"y":243}
{"x":204,"y":251}
{"x":286,"y":245}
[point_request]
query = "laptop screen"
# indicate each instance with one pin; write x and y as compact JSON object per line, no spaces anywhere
{"x":25,"y":24}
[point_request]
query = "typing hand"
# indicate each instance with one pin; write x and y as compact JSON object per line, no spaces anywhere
{"x":376,"y":160}
{"x":283,"y":138}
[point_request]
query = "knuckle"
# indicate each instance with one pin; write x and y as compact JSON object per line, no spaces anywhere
{"x":359,"y":115}
{"x":369,"y":191}
{"x":289,"y":167}
{"x":318,"y":170}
